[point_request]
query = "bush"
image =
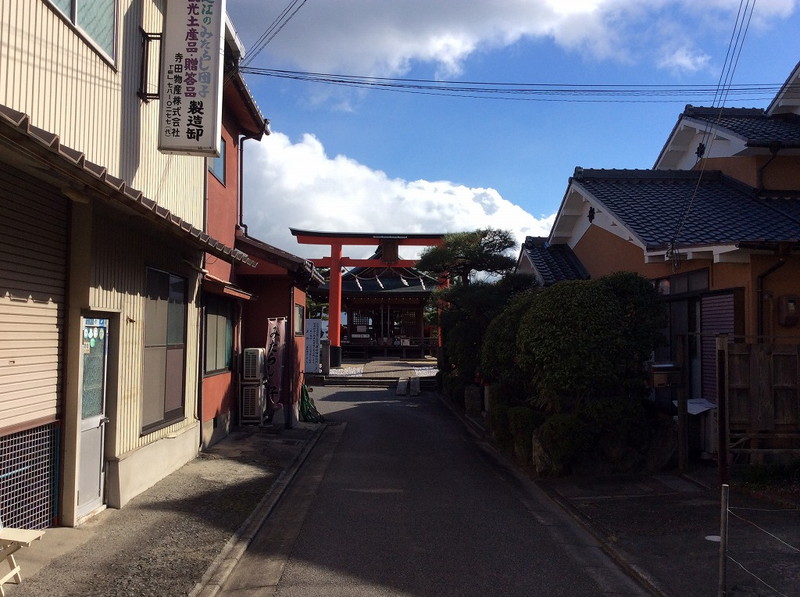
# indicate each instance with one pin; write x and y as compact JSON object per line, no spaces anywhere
{"x":499,"y":426}
{"x":522,"y":421}
{"x":567,"y":344}
{"x":499,"y":353}
{"x":559,"y":442}
{"x":584,"y":340}
{"x":619,"y":430}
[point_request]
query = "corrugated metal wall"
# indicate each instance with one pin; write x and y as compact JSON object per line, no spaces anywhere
{"x":49,"y":71}
{"x":33,"y":250}
{"x":123,"y":250}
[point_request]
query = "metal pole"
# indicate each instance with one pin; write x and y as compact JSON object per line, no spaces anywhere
{"x":723,"y":542}
{"x":683,"y":409}
{"x":722,"y":408}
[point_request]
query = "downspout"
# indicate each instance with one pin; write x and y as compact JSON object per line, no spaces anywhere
{"x":201,"y":330}
{"x":760,"y":293}
{"x":240,"y":186}
{"x":773,"y":149}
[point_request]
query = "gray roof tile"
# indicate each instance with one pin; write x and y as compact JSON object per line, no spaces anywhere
{"x":554,"y":263}
{"x":659,"y":206}
{"x":752,"y":124}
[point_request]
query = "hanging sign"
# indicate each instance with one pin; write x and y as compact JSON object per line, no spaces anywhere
{"x":192,"y":51}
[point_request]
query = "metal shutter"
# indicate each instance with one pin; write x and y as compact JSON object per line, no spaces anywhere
{"x":716,"y":317}
{"x":33,"y":264}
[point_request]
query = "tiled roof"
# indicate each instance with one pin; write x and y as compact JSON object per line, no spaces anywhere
{"x":553,"y":263}
{"x":271,"y":254}
{"x":701,"y":208}
{"x":387,"y":281}
{"x":46,"y":148}
{"x":752,"y":124}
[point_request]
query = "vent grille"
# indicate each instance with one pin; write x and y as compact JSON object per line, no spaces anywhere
{"x":29,"y":477}
{"x":252,"y":403}
{"x":253,"y":365}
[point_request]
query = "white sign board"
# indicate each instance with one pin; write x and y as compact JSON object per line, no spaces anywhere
{"x":313,"y":337}
{"x":192,"y":51}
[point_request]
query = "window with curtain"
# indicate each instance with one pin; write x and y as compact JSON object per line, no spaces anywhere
{"x":97,"y":19}
{"x":219,"y":334}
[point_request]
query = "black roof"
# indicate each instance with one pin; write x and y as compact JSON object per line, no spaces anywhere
{"x":701,"y":208}
{"x":553,"y":263}
{"x":752,"y":124}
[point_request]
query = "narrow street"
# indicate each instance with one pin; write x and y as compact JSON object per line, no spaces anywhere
{"x":397,"y":498}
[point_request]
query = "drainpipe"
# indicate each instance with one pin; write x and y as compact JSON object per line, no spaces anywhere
{"x":239,"y":186}
{"x":773,"y":149}
{"x":760,"y":293}
{"x":201,"y":330}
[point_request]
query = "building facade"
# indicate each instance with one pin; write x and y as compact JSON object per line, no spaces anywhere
{"x":102,"y":245}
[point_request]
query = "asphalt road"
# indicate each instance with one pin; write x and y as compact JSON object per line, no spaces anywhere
{"x":397,"y":498}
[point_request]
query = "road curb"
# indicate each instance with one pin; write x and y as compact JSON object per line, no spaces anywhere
{"x":220,"y":569}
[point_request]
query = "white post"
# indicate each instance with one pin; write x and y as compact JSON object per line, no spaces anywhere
{"x":723,"y":541}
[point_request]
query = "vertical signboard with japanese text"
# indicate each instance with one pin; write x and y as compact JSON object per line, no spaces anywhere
{"x":313,"y":338}
{"x":192,"y":51}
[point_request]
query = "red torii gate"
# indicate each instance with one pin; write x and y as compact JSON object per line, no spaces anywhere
{"x":389,"y":244}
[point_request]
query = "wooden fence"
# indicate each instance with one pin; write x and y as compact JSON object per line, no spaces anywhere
{"x":760,"y":407}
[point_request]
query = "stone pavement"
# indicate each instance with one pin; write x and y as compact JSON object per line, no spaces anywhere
{"x":187,"y":532}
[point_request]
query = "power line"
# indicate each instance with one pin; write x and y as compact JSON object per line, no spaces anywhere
{"x":564,"y":92}
{"x":724,"y":89}
{"x":286,"y":15}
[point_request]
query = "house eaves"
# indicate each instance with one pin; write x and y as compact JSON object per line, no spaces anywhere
{"x":787,"y":100}
{"x":41,"y":154}
{"x":301,"y":270}
{"x":237,"y":96}
{"x":701,"y":215}
{"x":580,"y":209}
{"x":727,"y":132}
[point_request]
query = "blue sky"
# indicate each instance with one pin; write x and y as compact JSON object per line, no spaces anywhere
{"x":378,"y":161}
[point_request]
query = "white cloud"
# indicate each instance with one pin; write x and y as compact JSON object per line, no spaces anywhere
{"x":684,"y":60}
{"x":384,"y":38}
{"x":297,"y":185}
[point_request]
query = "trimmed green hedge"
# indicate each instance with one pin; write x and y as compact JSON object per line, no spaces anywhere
{"x":522,"y":422}
{"x":584,"y":340}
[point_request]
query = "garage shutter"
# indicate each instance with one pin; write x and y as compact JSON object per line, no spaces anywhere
{"x":33,"y":264}
{"x":716,"y":317}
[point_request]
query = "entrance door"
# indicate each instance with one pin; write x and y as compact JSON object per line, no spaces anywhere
{"x":91,"y":465}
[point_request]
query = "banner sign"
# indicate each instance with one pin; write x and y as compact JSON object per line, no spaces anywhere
{"x":192,"y":52}
{"x":313,"y":337}
{"x":276,"y":347}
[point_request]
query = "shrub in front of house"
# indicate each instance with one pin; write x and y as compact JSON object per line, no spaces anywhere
{"x":620,"y":432}
{"x":568,"y":344}
{"x":582,"y":340}
{"x":522,"y":422}
{"x":499,"y":355}
{"x":558,"y":444}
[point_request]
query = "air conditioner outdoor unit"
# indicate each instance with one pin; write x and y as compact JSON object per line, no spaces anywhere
{"x":253,"y":364}
{"x":251,"y":408}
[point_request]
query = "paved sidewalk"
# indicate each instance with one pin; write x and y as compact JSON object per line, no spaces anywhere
{"x":665,"y":528}
{"x":174,"y":538}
